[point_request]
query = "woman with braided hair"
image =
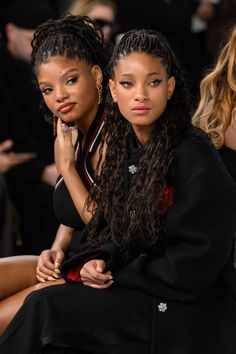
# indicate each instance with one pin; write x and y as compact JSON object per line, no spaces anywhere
{"x":69,"y":61}
{"x":156,"y":275}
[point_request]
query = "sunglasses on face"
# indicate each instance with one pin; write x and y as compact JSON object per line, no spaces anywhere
{"x":102,"y":23}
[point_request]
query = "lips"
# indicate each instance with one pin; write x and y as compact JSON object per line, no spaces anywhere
{"x":140,"y":109}
{"x":65,"y":108}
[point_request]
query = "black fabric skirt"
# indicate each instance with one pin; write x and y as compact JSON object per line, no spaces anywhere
{"x":78,"y":319}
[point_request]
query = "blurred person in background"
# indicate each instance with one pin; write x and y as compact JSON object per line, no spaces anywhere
{"x":216,"y":112}
{"x":7,"y":161}
{"x":103,"y":12}
{"x":170,"y":17}
{"x":211,"y":22}
{"x":31,"y":184}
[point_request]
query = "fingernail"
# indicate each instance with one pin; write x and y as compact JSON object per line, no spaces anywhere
{"x":55,"y":275}
{"x":64,"y":127}
{"x":51,"y":279}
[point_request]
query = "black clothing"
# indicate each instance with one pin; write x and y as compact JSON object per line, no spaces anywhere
{"x":24,"y":123}
{"x":229,"y":158}
{"x":180,"y":301}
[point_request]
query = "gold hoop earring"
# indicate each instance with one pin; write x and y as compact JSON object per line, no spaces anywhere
{"x":54,"y":125}
{"x":99,"y":94}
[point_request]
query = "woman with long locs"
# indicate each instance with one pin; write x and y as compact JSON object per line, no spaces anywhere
{"x":156,"y":274}
{"x":69,"y":61}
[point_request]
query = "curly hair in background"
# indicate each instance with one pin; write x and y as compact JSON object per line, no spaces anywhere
{"x":215,"y":115}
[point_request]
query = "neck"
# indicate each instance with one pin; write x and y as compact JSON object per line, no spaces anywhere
{"x":142,"y":133}
{"x":83,"y":124}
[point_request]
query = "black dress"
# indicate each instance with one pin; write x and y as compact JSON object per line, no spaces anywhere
{"x":181,"y":300}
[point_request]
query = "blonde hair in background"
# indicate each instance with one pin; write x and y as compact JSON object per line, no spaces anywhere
{"x":217,"y":106}
{"x":83,"y":7}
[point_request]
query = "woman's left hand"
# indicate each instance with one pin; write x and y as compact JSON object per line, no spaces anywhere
{"x":92,"y":274}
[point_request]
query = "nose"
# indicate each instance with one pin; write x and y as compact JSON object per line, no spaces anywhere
{"x":140,"y":94}
{"x":61,"y":94}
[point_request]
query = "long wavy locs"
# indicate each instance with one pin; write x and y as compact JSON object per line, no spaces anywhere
{"x":217,"y":109}
{"x":75,"y":37}
{"x":139,"y":213}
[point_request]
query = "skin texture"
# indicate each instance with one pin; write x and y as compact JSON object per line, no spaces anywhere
{"x":141,"y":89}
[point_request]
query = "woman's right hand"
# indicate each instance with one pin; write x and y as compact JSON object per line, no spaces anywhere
{"x":49,"y":263}
{"x":63,"y":149}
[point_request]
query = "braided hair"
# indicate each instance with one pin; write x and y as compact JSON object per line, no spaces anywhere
{"x":139,"y":216}
{"x":75,"y":37}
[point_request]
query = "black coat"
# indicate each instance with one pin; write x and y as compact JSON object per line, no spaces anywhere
{"x":193,"y":282}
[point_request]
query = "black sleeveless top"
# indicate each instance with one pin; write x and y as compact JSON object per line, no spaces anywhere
{"x":64,"y":207}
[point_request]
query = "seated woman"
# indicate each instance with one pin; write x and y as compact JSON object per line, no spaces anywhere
{"x":69,"y":61}
{"x":157,"y":274}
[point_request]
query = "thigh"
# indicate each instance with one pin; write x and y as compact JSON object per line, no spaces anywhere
{"x":17,"y":273}
{"x":10,"y":305}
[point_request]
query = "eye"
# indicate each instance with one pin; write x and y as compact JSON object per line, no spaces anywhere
{"x":155,"y":82}
{"x":126,"y":84}
{"x":46,"y":90}
{"x":72,"y":80}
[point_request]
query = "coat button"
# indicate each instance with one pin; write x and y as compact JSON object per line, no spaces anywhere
{"x":162,"y":307}
{"x":133,"y":169}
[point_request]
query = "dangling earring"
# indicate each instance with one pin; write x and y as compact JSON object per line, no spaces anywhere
{"x":54,"y":125}
{"x":99,"y":94}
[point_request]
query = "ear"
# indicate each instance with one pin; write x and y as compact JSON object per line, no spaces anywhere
{"x":171,"y":86}
{"x":112,"y":88}
{"x":97,"y":75}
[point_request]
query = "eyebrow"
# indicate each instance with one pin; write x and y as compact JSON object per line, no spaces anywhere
{"x":63,"y":74}
{"x":148,"y":74}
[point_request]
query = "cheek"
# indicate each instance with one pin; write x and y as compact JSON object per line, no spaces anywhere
{"x":49,"y":102}
{"x":122,"y":101}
